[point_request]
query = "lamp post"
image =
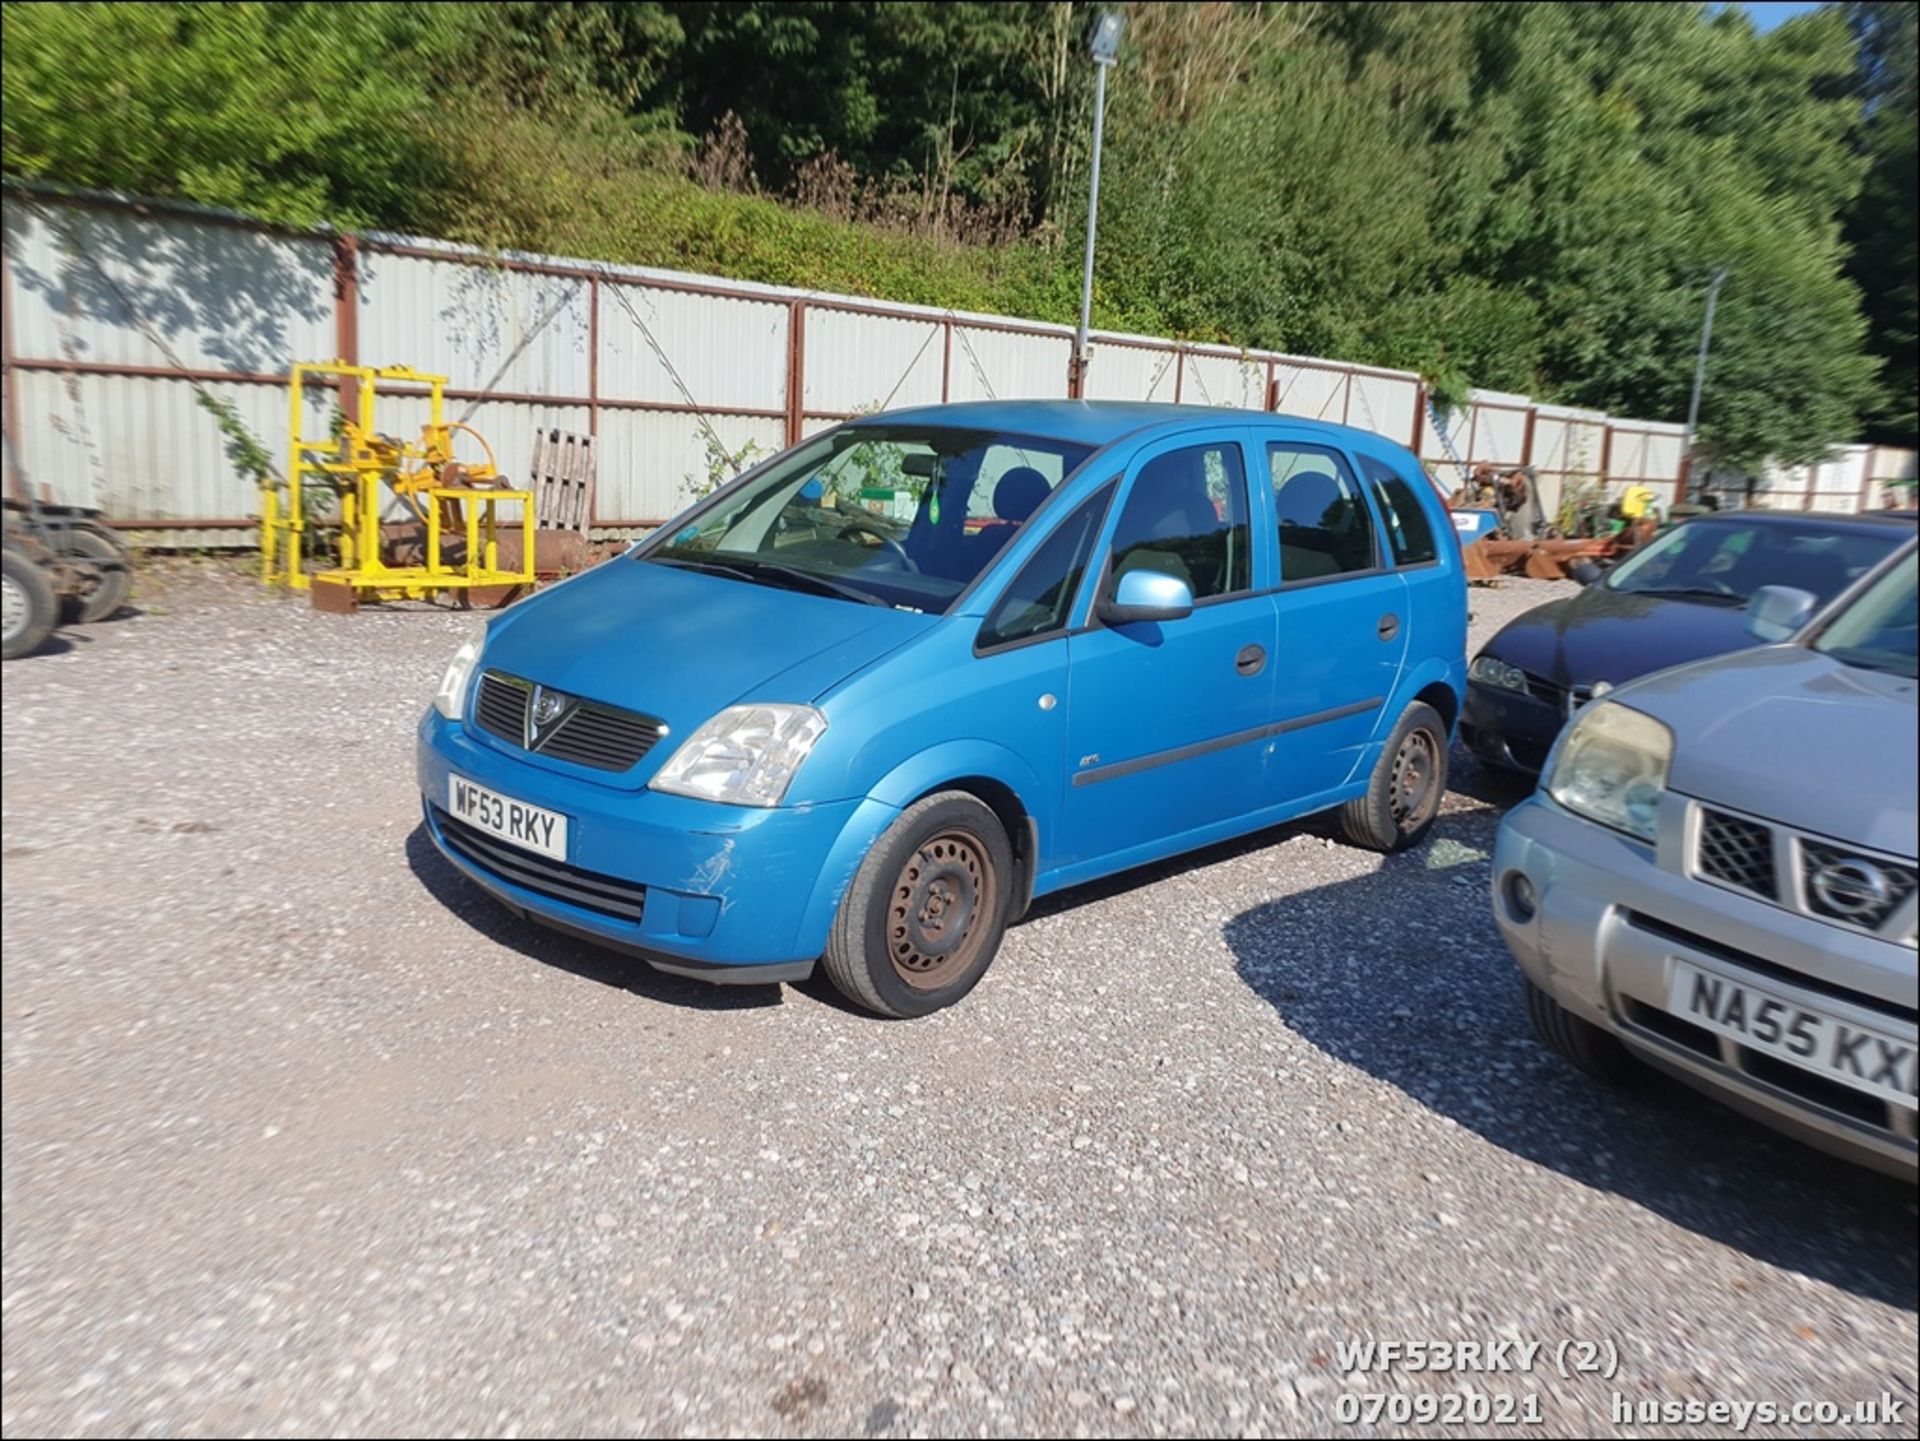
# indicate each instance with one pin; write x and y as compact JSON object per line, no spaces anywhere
{"x":1699,"y":380}
{"x":1104,"y":48}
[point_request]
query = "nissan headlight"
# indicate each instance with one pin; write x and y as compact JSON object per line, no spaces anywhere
{"x":1491,"y":670}
{"x":745,"y":756}
{"x":451,"y":699}
{"x":1611,"y":767}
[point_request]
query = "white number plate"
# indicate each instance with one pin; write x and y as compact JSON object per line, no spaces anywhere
{"x":515,"y":822}
{"x":1867,"y":1060}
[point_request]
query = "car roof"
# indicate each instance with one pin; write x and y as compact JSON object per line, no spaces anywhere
{"x":1100,"y":422}
{"x":1866,"y":520}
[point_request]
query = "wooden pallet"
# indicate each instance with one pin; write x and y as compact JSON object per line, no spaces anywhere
{"x":562,"y":481}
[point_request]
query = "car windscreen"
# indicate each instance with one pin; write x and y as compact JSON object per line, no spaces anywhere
{"x":1880,"y":628}
{"x":1727,"y":560}
{"x":894,"y":515}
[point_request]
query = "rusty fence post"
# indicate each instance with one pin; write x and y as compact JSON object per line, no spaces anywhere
{"x":593,"y":359}
{"x":10,"y":377}
{"x":796,"y":370}
{"x":346,"y":317}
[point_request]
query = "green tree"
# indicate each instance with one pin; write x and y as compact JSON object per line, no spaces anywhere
{"x":296,"y":112}
{"x":1881,"y":225}
{"x":1526,"y":197}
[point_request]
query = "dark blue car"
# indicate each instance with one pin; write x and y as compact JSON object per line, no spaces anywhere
{"x":864,"y":703}
{"x":1681,"y":598}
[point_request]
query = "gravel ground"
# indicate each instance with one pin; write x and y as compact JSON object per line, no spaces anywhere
{"x":303,"y":1133}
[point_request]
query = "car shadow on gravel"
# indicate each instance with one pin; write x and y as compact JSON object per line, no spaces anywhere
{"x":496,"y":923}
{"x":1469,"y":776}
{"x":1403,"y":974}
{"x":1495,"y":791}
{"x":1087,"y":892}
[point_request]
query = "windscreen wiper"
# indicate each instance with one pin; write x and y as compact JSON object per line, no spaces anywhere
{"x":1691,"y":592}
{"x":819,"y":584}
{"x":762,"y":572}
{"x":710,"y":567}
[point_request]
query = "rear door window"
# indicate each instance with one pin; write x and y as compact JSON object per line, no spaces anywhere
{"x":1326,"y":528}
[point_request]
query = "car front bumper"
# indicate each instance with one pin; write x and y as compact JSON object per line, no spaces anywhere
{"x":1611,"y":917}
{"x":1508,"y":728}
{"x":725,"y":893}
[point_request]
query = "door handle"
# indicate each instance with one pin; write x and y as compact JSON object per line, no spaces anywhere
{"x":1251,"y":660}
{"x":1389,"y":626}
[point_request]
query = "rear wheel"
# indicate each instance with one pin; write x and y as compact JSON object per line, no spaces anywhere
{"x":107,"y":584}
{"x":28,"y":606}
{"x":1403,"y":794}
{"x":1588,"y":1047}
{"x":925,"y":913}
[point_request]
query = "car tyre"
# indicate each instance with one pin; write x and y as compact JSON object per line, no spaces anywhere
{"x":926,"y":911}
{"x":32,"y":608}
{"x":115,"y":580}
{"x":1589,"y":1048}
{"x":1403,"y":795}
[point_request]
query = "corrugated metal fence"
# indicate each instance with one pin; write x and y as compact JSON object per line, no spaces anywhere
{"x":118,"y":312}
{"x":1852,"y":477}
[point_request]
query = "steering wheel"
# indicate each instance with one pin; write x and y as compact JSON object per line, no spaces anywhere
{"x":857,"y":526}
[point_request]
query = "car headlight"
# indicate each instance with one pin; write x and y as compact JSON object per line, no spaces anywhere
{"x":745,"y":756}
{"x":1490,"y":670}
{"x":1611,"y":767}
{"x":451,"y":699}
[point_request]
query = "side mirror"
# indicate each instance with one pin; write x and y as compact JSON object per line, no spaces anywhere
{"x":1144,"y":595}
{"x":1775,"y":612}
{"x":1585,"y":571}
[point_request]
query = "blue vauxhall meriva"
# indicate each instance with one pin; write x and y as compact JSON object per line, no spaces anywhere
{"x":864,"y":703}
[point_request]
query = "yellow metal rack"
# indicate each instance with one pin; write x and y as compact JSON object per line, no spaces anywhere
{"x":356,"y":462}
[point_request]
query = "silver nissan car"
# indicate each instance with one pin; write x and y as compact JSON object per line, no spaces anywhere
{"x":1717,"y":873}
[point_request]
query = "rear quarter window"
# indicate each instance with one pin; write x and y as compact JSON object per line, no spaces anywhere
{"x":1408,"y":524}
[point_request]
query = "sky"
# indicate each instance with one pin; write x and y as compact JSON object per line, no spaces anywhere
{"x":1769,"y":13}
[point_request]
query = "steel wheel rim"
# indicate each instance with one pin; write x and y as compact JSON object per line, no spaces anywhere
{"x":1416,"y":773}
{"x":939,"y":911}
{"x":13,"y":608}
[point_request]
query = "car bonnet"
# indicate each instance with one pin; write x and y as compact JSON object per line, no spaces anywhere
{"x":683,"y":646}
{"x":1795,"y":736}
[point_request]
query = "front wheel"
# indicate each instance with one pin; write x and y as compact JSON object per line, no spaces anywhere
{"x":1404,"y":792}
{"x":31,"y":608}
{"x":1592,"y":1050}
{"x":923,"y":918}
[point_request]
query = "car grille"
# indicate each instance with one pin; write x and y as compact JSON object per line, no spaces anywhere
{"x":591,"y":734}
{"x":1833,"y":883}
{"x":1540,"y":688}
{"x":589,"y":890}
{"x":1737,"y":852}
{"x":501,"y":709}
{"x":1567,"y":700}
{"x":1866,"y":906}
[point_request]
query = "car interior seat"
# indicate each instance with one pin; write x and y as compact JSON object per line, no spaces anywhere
{"x":1016,"y":496}
{"x":1170,"y":525}
{"x":1321,"y":528}
{"x":1823,"y":572}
